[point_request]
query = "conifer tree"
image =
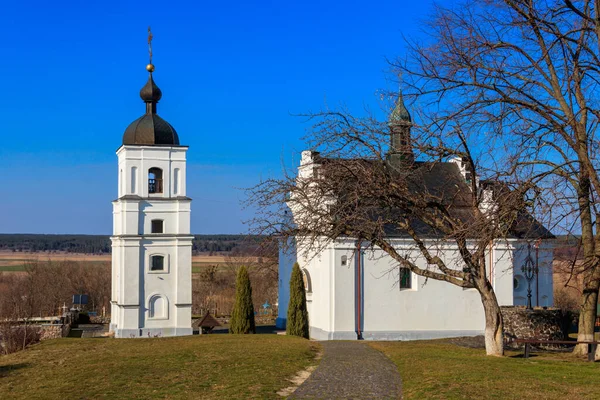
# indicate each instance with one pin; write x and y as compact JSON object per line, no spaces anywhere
{"x":242,"y":317}
{"x":297,"y":315}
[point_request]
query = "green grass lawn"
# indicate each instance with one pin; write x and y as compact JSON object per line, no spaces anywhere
{"x":439,"y":370}
{"x":193,"y":367}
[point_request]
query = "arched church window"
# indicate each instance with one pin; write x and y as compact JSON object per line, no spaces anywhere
{"x":344,"y":261}
{"x":518,"y":283}
{"x":155,"y":180}
{"x":158,"y":307}
{"x":307,"y":282}
{"x":133,"y":180}
{"x":121,"y":183}
{"x":157,"y":263}
{"x":157,"y":226}
{"x":176,"y":178}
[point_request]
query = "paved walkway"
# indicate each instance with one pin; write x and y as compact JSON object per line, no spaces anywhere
{"x":351,"y":370}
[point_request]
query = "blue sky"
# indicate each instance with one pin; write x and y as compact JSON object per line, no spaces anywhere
{"x":232,"y":75}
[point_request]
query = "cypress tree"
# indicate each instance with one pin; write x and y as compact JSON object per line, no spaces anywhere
{"x":242,"y":317}
{"x":297,"y":315}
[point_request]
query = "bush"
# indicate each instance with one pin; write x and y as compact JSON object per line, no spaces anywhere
{"x":242,"y":316}
{"x":297,"y":315}
{"x":15,"y":338}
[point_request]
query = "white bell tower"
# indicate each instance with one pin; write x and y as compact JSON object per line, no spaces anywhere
{"x":151,"y":241}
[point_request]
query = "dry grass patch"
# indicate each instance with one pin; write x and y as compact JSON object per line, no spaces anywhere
{"x":439,"y":370}
{"x":15,"y":262}
{"x":196,"y":367}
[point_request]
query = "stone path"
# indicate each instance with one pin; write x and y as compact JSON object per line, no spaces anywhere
{"x":351,"y":370}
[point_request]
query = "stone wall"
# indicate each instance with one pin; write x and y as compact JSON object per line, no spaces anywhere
{"x":98,"y":319}
{"x":533,"y":324}
{"x":53,"y":331}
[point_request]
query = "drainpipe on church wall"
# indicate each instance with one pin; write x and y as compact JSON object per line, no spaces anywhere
{"x":537,"y":272}
{"x":492,"y":271}
{"x":358,"y":291}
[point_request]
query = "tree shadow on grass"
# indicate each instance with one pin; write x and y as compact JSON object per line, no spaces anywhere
{"x":260,"y":329}
{"x":6,"y":370}
{"x":521,"y":355}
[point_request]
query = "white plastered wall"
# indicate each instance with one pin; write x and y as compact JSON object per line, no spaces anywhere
{"x":430,"y":309}
{"x":134,"y":286}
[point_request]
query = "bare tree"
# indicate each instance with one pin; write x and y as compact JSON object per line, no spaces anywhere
{"x":260,"y":256}
{"x":45,"y":286}
{"x":525,"y":73}
{"x":362,"y":185}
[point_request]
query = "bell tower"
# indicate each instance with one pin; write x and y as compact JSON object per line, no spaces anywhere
{"x":151,"y":241}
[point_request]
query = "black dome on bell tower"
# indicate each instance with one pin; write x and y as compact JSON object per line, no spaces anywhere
{"x":150,"y":129}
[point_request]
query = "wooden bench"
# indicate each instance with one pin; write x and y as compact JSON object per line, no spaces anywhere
{"x":528,"y":342}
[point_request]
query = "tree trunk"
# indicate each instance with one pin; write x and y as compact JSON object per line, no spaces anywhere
{"x":25,"y":337}
{"x":589,"y":296}
{"x":587,"y":315}
{"x":494,"y":328}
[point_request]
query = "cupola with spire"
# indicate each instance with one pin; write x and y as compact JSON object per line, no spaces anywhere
{"x":400,"y":152}
{"x":150,"y":128}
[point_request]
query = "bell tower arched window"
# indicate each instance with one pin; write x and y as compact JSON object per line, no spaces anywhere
{"x":155,"y":180}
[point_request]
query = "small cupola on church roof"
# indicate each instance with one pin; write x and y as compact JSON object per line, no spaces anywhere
{"x":400,"y":152}
{"x":150,"y":129}
{"x":400,"y":114}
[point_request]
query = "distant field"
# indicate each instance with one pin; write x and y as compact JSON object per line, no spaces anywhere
{"x":14,"y":262}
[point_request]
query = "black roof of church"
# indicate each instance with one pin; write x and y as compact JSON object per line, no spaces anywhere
{"x":444,"y":180}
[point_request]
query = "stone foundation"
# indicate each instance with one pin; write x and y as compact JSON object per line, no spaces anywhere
{"x":520,"y":323}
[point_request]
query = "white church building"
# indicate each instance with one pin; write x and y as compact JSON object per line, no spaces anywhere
{"x":151,"y":241}
{"x":353,"y":293}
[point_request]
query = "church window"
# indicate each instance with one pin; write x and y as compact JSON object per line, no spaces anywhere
{"x":157,"y":263}
{"x":344,"y":261}
{"x":405,"y":278}
{"x":157,"y":226}
{"x":307,"y":282}
{"x":158,"y":307}
{"x":133,"y":179}
{"x":176,"y":174}
{"x":518,"y":283}
{"x":155,"y":180}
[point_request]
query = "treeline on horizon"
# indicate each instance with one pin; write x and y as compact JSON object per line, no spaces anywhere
{"x":100,"y":244}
